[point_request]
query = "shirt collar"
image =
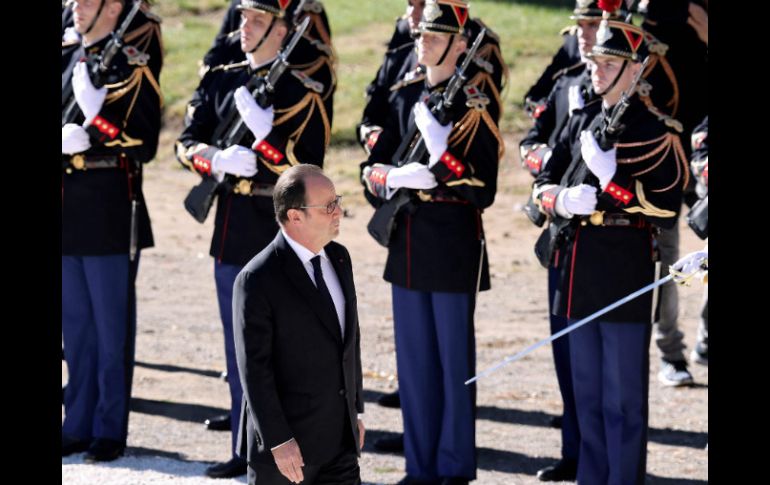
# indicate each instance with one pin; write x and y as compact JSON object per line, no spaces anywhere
{"x":303,"y":253}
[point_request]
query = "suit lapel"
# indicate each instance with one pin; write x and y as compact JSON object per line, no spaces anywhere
{"x":301,"y":280}
{"x":344,"y":275}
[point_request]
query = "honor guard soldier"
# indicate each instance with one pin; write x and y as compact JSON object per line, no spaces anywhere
{"x":294,"y":128}
{"x":400,"y":68}
{"x":436,"y":259}
{"x":314,"y":54}
{"x":616,"y":174}
{"x":571,"y":91}
{"x":111,"y":109}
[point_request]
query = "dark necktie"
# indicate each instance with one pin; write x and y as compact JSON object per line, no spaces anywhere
{"x":322,"y":288}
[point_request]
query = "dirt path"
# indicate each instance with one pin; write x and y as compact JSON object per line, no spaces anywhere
{"x":180,"y":350}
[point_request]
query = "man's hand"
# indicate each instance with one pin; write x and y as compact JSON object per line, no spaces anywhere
{"x":74,"y":139}
{"x":87,"y":96}
{"x":690,"y":265}
{"x":699,"y":20}
{"x":259,"y":120}
{"x":601,"y":163}
{"x":434,"y":133}
{"x":361,"y":433}
{"x":288,"y":458}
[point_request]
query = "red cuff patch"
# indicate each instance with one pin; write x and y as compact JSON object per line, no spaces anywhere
{"x":619,"y":193}
{"x":268,"y":152}
{"x":453,"y":164}
{"x":105,"y":127}
{"x":548,"y":201}
{"x":201,"y":164}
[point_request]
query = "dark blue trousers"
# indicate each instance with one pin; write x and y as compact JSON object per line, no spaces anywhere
{"x":610,"y":369}
{"x":570,"y":432}
{"x":225,"y":274}
{"x":435,"y":354}
{"x":99,"y":330}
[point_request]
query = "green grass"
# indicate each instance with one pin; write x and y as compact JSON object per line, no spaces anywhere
{"x":528,"y":30}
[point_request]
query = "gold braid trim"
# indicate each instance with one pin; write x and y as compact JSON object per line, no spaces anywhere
{"x":125,"y":141}
{"x":467,"y":127}
{"x":310,"y":68}
{"x":481,"y":80}
{"x":313,"y":100}
{"x":646,"y":207}
{"x":667,"y":141}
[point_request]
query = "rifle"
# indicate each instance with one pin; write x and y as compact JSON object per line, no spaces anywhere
{"x":98,"y":66}
{"x":233,"y":130}
{"x":383,"y":220}
{"x":606,"y":132}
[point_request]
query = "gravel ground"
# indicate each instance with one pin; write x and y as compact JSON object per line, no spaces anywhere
{"x":180,"y":351}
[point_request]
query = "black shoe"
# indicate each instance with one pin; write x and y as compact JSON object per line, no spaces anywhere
{"x":392,"y":400}
{"x":229,"y":469}
{"x":103,"y":449}
{"x":220,"y":422}
{"x":562,"y":470}
{"x":555,"y":422}
{"x":394,"y":444}
{"x":407,"y":480}
{"x":700,"y":355}
{"x":72,"y":445}
{"x":454,"y":481}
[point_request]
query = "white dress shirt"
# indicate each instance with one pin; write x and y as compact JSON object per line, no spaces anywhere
{"x":330,"y":276}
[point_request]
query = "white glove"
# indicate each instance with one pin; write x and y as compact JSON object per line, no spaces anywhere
{"x":602,"y":164}
{"x":577,"y":200}
{"x":74,"y":139}
{"x":690,"y":264}
{"x":411,"y":176}
{"x":88,"y":97}
{"x":259,"y":120}
{"x":434,"y":133}
{"x":236,"y":160}
{"x":70,"y":35}
{"x":575,"y":99}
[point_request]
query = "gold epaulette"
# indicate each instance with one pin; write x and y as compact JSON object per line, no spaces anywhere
{"x":402,"y":46}
{"x":308,"y":81}
{"x":670,"y":121}
{"x":415,"y":75}
{"x":228,"y":67}
{"x":567,"y":69}
{"x":569,"y":30}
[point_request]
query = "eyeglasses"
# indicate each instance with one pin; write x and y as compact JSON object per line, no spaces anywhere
{"x":330,"y":207}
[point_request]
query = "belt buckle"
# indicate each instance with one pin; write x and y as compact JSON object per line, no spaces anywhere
{"x":596,"y":218}
{"x":78,"y":162}
{"x":243,"y":187}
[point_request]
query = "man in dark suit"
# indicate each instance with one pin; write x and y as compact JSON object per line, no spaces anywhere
{"x":297,"y":343}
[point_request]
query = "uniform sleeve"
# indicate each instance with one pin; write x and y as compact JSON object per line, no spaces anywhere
{"x":301,"y":130}
{"x":129,"y":120}
{"x":653,"y":187}
{"x":192,"y":148}
{"x":469,"y":165}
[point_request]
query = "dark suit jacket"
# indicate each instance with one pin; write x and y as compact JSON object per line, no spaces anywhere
{"x":300,"y":379}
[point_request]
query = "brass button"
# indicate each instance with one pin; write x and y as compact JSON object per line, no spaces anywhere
{"x":78,"y":162}
{"x":243,"y":187}
{"x":597,"y":218}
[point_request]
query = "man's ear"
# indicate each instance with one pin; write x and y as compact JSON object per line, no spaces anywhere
{"x":114,"y":9}
{"x":294,"y":215}
{"x":281,"y":30}
{"x":460,"y":44}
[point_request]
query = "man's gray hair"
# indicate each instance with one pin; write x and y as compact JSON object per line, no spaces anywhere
{"x":289,"y":192}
